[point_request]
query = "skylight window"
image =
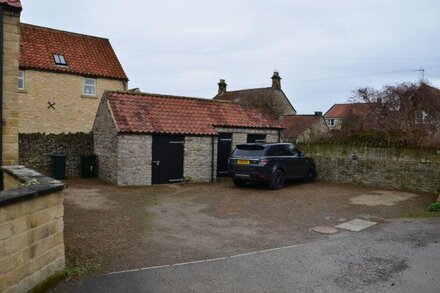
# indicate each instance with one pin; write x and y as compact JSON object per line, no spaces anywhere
{"x":59,"y":59}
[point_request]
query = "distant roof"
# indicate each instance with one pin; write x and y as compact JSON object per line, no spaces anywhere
{"x":343,"y":110}
{"x":295,"y":125}
{"x":154,"y":113}
{"x":256,"y":93}
{"x":14,"y":4}
{"x":85,"y":55}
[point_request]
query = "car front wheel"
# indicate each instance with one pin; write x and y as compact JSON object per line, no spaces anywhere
{"x":277,"y":181}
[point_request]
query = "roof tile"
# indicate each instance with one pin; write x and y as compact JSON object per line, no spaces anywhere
{"x":85,"y":55}
{"x":295,"y":125}
{"x":153,"y":113}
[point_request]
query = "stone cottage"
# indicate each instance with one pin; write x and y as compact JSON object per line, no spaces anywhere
{"x":144,"y":139}
{"x":304,"y":128}
{"x":272,"y":96}
{"x":61,"y":79}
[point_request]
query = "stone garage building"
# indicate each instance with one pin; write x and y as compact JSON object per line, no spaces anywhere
{"x":144,"y":139}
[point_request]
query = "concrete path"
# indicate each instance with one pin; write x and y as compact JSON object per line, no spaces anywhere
{"x":402,"y":256}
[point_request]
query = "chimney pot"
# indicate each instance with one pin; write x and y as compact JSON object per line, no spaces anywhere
{"x":222,"y":86}
{"x":319,"y":114}
{"x":276,"y":81}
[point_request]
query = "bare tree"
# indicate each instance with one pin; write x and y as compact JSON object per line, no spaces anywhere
{"x":269,"y":104}
{"x":405,"y":113}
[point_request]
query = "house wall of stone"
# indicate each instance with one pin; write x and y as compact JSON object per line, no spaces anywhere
{"x":198,"y":158}
{"x":11,"y":55}
{"x":73,"y":111}
{"x":134,"y":160}
{"x":126,"y":159}
{"x":394,"y":168}
{"x":239,"y":135}
{"x":318,"y":130}
{"x":105,"y":141}
{"x":337,"y":125}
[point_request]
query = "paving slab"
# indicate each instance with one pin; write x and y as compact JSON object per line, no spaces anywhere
{"x":324,"y":230}
{"x":356,"y":225}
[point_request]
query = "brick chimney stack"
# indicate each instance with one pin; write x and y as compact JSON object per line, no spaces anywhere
{"x":276,"y":81}
{"x":222,"y":86}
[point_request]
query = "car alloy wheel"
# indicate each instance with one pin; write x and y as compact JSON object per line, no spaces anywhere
{"x":277,"y":180}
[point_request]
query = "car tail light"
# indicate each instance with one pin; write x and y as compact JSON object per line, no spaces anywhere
{"x":263,"y":162}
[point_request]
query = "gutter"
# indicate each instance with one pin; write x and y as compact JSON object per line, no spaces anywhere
{"x":1,"y":95}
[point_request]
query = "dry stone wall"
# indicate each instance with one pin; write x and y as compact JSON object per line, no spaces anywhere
{"x":36,"y":150}
{"x":393,"y":168}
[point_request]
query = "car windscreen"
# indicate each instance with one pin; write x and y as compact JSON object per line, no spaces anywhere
{"x":248,"y":151}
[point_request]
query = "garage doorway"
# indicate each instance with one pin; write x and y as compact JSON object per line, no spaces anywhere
{"x":167,"y":159}
{"x":224,"y":150}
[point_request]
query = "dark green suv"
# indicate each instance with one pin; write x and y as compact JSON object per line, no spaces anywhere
{"x":271,"y":164}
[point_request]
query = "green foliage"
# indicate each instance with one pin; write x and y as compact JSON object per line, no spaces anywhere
{"x":78,"y":268}
{"x":434,"y":207}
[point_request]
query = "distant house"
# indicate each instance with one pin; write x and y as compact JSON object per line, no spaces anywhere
{"x":61,"y":78}
{"x":338,"y":112}
{"x":144,"y":139}
{"x":273,"y":96}
{"x":304,"y":128}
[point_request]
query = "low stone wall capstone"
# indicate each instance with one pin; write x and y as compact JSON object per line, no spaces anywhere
{"x":394,"y":168}
{"x":36,"y":149}
{"x":31,"y":229}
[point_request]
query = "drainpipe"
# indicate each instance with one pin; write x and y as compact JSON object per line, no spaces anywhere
{"x":1,"y":96}
{"x":212,"y":157}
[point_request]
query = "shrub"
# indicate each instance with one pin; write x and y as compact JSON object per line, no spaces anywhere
{"x":434,"y":207}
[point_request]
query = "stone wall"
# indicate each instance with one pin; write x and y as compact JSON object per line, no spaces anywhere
{"x":393,"y":168}
{"x":239,"y":135}
{"x":31,"y":233}
{"x":198,"y":159}
{"x":73,"y":112}
{"x":317,"y":130}
{"x":11,"y":54}
{"x":105,"y":140}
{"x":36,"y":150}
{"x":134,"y":160}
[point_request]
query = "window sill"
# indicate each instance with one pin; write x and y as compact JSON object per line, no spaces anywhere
{"x":22,"y":91}
{"x":89,"y":97}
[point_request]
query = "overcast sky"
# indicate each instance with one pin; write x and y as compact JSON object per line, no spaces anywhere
{"x":323,"y":49}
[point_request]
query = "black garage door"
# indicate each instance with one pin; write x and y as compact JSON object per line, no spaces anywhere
{"x":167,"y":163}
{"x":224,"y":150}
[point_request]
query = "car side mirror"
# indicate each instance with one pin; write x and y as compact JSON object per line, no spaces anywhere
{"x":301,"y":155}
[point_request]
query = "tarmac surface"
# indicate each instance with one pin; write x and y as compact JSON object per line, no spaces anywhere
{"x":399,"y":256}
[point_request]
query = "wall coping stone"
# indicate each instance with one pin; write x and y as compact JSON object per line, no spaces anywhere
{"x":45,"y":185}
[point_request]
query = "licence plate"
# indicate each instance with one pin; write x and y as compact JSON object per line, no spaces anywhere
{"x":243,"y":162}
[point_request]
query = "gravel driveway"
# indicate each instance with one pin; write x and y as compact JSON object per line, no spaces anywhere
{"x":121,"y":228}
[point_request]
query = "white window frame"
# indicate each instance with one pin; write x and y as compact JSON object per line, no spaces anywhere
{"x":21,"y":77}
{"x":421,"y":116}
{"x":331,"y":122}
{"x":92,"y":86}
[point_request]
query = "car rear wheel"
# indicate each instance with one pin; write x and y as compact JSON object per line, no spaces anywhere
{"x":312,"y":175}
{"x":277,"y":181}
{"x":239,"y":183}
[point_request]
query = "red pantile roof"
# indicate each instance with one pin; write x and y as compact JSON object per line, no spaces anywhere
{"x":343,"y":110}
{"x":153,"y":113}
{"x":295,"y":125}
{"x":85,"y":55}
{"x":256,"y":93}
{"x":15,"y":4}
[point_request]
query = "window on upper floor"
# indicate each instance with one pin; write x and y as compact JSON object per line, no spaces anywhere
{"x":89,"y":87}
{"x":21,"y":79}
{"x":330,"y":122}
{"x":59,"y":59}
{"x":421,"y":116}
